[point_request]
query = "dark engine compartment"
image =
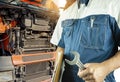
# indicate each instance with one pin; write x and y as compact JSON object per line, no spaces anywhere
{"x":30,"y":33}
{"x":33,"y":29}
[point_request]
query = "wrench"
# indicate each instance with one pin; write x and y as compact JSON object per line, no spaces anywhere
{"x":76,"y":60}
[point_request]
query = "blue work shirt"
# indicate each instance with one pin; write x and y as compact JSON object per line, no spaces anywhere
{"x":93,"y":31}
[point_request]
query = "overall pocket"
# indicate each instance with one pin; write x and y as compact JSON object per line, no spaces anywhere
{"x":93,"y":32}
{"x":67,"y":31}
{"x":67,"y":27}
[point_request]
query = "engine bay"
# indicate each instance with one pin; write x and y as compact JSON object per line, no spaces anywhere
{"x":26,"y":27}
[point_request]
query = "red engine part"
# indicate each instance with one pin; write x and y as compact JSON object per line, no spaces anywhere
{"x":5,"y":41}
{"x":4,"y":27}
{"x":33,"y":2}
{"x":4,"y":37}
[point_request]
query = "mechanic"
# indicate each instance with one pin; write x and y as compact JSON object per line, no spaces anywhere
{"x":92,"y":28}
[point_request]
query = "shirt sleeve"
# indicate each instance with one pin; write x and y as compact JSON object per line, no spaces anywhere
{"x":57,"y":38}
{"x":58,"y":35}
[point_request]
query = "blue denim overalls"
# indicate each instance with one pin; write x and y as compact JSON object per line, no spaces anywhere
{"x":95,"y":37}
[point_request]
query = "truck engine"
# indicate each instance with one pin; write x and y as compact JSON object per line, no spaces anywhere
{"x":26,"y":27}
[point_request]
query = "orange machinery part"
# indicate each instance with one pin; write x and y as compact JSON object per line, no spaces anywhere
{"x":47,"y":80}
{"x":49,"y":4}
{"x":4,"y":27}
{"x":18,"y":59}
{"x":5,"y":36}
{"x":35,"y":2}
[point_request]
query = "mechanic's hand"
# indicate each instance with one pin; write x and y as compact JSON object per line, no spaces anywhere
{"x":94,"y":72}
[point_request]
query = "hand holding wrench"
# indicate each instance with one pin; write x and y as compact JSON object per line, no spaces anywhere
{"x":76,"y":61}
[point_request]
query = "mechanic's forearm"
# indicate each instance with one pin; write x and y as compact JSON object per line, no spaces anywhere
{"x":112,"y":63}
{"x":59,"y":53}
{"x":58,"y":64}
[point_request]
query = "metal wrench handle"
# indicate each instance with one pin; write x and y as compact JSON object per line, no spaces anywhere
{"x":76,"y":60}
{"x":80,"y":65}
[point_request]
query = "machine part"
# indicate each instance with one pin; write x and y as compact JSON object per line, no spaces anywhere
{"x":33,"y":67}
{"x":6,"y":76}
{"x":2,"y":46}
{"x":34,"y":26}
{"x":6,"y":69}
{"x":25,"y":59}
{"x":76,"y":60}
{"x":17,"y":40}
{"x":20,"y":73}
